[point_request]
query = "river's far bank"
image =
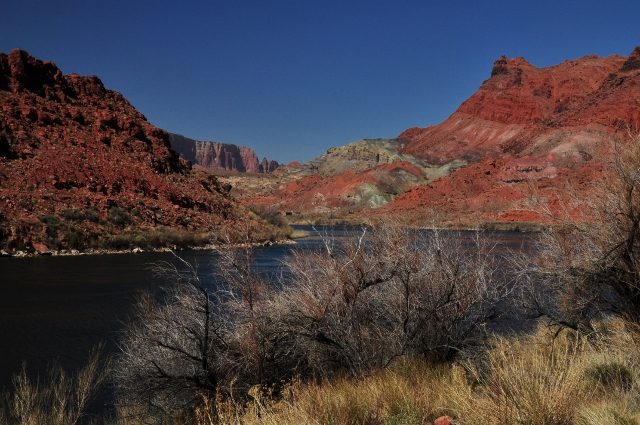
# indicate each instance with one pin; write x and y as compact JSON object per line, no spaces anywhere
{"x":136,"y":250}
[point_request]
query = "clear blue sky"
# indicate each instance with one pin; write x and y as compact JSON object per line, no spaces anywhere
{"x":293,"y":78}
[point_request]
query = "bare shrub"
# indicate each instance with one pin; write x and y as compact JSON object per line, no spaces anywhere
{"x":201,"y":340}
{"x":589,"y":261}
{"x":388,"y":293}
{"x":170,"y":353}
{"x":350,"y":307}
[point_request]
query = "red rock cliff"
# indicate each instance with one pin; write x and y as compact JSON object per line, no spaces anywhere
{"x":551,"y":127}
{"x":520,"y":102}
{"x":220,"y":156}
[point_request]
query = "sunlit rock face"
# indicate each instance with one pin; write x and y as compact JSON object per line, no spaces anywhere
{"x":549,"y":127}
{"x":526,"y":128}
{"x":220,"y":156}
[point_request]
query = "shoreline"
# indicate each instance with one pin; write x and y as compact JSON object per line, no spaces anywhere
{"x":136,"y":250}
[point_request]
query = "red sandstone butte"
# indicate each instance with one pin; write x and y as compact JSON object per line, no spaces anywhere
{"x":527,"y":126}
{"x":525,"y":129}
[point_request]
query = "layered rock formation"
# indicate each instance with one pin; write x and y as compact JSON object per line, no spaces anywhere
{"x":220,"y":156}
{"x":79,"y":165}
{"x":365,"y":174}
{"x":526,"y":129}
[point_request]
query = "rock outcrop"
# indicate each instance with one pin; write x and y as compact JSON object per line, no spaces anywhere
{"x":365,"y":174}
{"x":545,"y":127}
{"x":220,"y":156}
{"x":525,"y":128}
{"x":79,"y":165}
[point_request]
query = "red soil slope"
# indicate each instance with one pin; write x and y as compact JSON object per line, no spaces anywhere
{"x":79,"y":164}
{"x":340,"y":193}
{"x":547,"y":128}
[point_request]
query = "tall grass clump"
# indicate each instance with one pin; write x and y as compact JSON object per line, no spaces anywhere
{"x":532,"y":381}
{"x":61,"y":399}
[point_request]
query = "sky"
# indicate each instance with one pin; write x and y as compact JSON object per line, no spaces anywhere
{"x":291,"y":79}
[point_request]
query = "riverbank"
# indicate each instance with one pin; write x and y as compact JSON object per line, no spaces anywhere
{"x":136,"y":250}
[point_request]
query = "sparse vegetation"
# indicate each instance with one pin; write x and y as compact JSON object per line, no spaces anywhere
{"x":588,"y":265}
{"x":389,"y":327}
{"x":61,"y":399}
{"x":118,"y":216}
{"x":350,"y":309}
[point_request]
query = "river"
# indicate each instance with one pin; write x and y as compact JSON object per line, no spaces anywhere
{"x":60,"y":307}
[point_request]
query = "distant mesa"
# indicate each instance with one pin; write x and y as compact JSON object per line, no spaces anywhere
{"x":220,"y":156}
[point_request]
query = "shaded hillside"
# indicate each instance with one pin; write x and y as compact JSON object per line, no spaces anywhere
{"x":220,"y":156}
{"x":79,"y":166}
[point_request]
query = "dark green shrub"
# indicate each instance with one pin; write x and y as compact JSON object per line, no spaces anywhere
{"x":74,"y":238}
{"x":612,"y":374}
{"x":73,"y":215}
{"x":118,"y":216}
{"x":53,"y":224}
{"x":269,"y":215}
{"x":91,"y":214}
{"x":119,"y":242}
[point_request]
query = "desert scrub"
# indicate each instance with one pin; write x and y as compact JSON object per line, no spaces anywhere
{"x":538,"y":379}
{"x":407,"y":392}
{"x":347,"y":311}
{"x":118,"y":216}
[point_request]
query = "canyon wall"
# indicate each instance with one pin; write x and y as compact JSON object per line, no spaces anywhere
{"x":220,"y":156}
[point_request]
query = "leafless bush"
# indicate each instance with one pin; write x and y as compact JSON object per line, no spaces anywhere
{"x":353,"y":306}
{"x":388,"y":293}
{"x":170,"y":353}
{"x":589,"y":262}
{"x":200,"y":340}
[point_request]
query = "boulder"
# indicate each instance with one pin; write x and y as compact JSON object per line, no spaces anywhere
{"x":443,"y":420}
{"x":41,"y":249}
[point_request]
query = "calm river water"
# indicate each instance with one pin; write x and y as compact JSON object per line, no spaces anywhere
{"x":60,"y":307}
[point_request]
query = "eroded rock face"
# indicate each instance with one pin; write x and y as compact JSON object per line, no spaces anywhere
{"x":526,"y":126}
{"x":550,"y":127}
{"x":520,"y":103}
{"x":220,"y":156}
{"x":78,"y":163}
{"x":364,"y":174}
{"x":344,"y":192}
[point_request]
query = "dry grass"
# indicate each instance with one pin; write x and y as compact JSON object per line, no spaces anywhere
{"x":543,"y":379}
{"x":60,"y":400}
{"x":408,"y":392}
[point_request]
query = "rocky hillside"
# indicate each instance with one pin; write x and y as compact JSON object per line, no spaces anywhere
{"x":525,"y":129}
{"x":80,"y":167}
{"x":365,"y":174}
{"x":220,"y":156}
